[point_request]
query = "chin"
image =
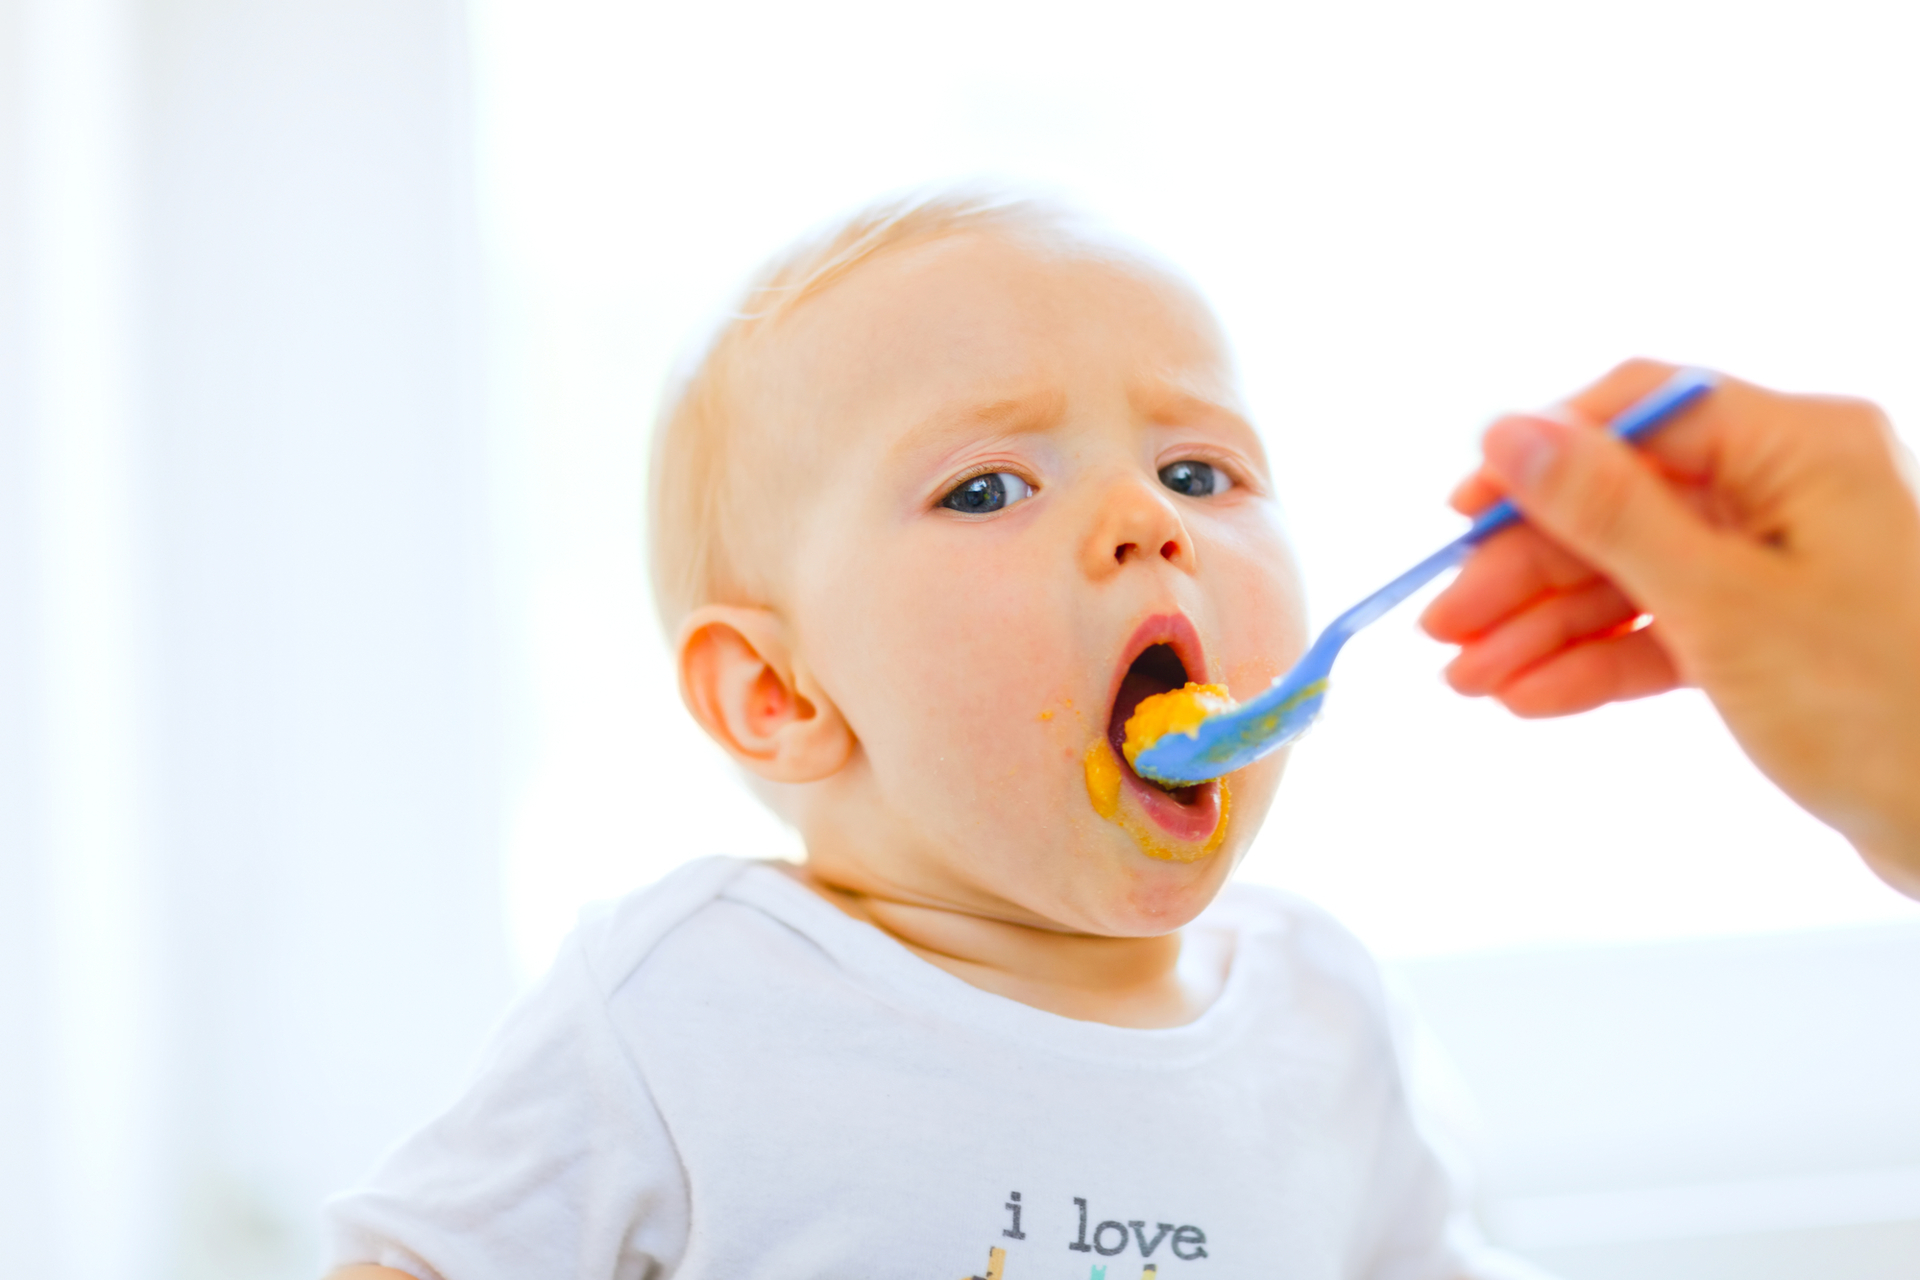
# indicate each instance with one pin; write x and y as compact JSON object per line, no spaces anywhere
{"x":1155,"y":881}
{"x":1145,"y":897}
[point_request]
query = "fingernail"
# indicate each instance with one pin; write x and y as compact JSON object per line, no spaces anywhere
{"x":1521,"y":449}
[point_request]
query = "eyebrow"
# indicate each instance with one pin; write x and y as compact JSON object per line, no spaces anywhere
{"x":1159,"y":401}
{"x":1166,"y":403}
{"x":1007,"y":416}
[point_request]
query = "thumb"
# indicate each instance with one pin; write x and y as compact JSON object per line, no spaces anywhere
{"x":1590,"y":491}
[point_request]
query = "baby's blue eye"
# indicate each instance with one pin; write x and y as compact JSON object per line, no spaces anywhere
{"x":1195,"y":479}
{"x":987,"y":493}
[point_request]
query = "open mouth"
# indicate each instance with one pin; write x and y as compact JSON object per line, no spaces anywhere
{"x":1166,"y":656}
{"x":1157,"y":670}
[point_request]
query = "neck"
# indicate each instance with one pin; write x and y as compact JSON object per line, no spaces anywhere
{"x":1129,"y":982}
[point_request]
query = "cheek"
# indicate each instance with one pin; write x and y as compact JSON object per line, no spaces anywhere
{"x":1262,"y":624}
{"x":949,"y":650}
{"x":1260,"y":609}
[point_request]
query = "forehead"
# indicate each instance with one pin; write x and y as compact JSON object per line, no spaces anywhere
{"x":980,"y":317}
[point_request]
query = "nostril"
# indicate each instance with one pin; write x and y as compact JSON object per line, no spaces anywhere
{"x":1170,"y":551}
{"x":1120,"y":552}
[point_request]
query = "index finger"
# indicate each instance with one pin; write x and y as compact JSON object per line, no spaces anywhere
{"x":1597,"y":403}
{"x":1694,"y":445}
{"x":1699,"y":445}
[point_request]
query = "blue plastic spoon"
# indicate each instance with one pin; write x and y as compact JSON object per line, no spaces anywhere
{"x":1234,"y":739}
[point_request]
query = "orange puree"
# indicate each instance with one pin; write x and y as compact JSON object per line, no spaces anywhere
{"x":1103,"y":788}
{"x":1103,"y":781}
{"x":1176,"y":711}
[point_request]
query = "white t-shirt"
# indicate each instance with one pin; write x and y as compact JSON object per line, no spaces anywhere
{"x":724,"y":1076}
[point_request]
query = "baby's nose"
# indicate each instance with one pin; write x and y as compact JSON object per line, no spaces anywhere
{"x":1169,"y":550}
{"x":1136,"y":524}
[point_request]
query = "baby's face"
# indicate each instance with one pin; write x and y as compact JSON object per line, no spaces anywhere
{"x":1028,"y":500}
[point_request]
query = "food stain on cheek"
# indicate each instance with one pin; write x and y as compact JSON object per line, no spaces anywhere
{"x":1103,"y":788}
{"x":1066,"y":704}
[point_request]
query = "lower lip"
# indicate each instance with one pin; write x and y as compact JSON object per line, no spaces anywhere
{"x":1195,"y":829}
{"x":1192,"y":821}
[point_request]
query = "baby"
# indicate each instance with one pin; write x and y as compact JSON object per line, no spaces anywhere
{"x":960,"y":484}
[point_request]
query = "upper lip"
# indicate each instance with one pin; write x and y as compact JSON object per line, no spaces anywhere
{"x":1175,"y":631}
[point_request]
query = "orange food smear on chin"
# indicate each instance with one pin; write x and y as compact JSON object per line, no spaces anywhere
{"x":1103,"y":788}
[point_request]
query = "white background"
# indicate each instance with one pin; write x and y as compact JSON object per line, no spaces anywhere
{"x":1410,"y":218}
{"x":329,"y":333}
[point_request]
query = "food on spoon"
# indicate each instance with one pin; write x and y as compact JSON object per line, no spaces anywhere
{"x":1175,"y":711}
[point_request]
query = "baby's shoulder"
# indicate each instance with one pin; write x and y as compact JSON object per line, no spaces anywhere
{"x":616,"y":939}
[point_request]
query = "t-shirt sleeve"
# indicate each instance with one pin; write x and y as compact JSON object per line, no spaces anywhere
{"x":554,"y":1163}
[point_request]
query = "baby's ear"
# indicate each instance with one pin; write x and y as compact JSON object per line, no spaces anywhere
{"x":739,"y":680}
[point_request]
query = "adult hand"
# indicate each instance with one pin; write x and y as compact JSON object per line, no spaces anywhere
{"x":1764,"y":548}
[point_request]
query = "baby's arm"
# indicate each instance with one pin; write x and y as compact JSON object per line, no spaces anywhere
{"x":369,"y":1273}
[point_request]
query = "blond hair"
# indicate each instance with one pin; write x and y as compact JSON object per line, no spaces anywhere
{"x":704,"y":441}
